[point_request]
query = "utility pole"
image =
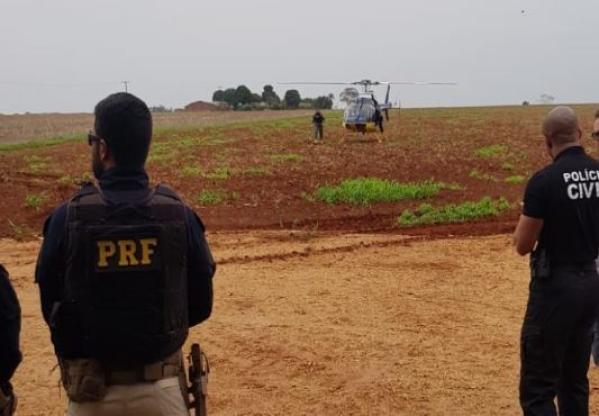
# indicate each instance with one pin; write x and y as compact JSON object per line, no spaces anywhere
{"x":126,"y":84}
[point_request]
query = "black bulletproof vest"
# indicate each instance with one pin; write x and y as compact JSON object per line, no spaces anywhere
{"x":124,"y":298}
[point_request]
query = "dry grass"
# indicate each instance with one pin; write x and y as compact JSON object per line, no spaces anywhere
{"x":25,"y":127}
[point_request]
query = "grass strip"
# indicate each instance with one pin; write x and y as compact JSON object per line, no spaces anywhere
{"x":453,"y":213}
{"x":366,"y":191}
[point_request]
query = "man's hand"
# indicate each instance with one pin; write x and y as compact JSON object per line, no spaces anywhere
{"x":527,"y":233}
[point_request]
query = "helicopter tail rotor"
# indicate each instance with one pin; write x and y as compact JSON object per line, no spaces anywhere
{"x":387,"y":94}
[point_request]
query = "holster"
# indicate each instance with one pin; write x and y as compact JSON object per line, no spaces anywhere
{"x":84,"y":380}
{"x":540,"y":267}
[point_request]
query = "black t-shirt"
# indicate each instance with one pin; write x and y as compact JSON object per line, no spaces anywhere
{"x":565,"y":195}
{"x":10,"y":325}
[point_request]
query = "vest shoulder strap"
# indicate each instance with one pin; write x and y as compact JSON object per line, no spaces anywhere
{"x":167,"y":191}
{"x":88,"y":201}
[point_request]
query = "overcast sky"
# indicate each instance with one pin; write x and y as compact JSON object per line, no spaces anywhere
{"x":65,"y":55}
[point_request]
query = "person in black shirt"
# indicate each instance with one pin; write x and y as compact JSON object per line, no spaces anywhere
{"x":318,"y":122}
{"x":595,"y":346}
{"x":124,"y":270}
{"x":559,"y":226}
{"x":10,"y":356}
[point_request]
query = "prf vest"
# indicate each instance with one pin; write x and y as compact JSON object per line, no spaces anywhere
{"x":124,"y":295}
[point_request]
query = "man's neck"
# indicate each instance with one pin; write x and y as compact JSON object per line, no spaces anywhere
{"x":557,"y":150}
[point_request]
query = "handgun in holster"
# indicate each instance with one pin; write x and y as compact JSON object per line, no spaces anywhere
{"x":540,"y":267}
{"x":199,"y":370}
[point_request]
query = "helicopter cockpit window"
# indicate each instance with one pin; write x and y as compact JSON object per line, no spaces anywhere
{"x":360,"y":111}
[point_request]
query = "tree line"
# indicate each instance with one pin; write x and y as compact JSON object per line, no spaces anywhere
{"x":242,"y":98}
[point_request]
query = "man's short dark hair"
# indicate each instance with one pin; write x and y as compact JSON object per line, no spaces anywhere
{"x":597,"y":114}
{"x":125,"y":123}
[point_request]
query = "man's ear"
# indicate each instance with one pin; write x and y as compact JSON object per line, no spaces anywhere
{"x":103,"y":149}
{"x":579,"y":133}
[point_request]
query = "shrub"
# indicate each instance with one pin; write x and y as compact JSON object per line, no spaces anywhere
{"x":515,"y":180}
{"x":453,"y":213}
{"x":365,"y":191}
{"x":493,"y":150}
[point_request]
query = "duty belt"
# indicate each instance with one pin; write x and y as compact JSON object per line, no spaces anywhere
{"x":171,"y":366}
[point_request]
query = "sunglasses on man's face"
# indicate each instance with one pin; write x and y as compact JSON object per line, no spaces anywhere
{"x":91,"y":138}
{"x":595,"y":135}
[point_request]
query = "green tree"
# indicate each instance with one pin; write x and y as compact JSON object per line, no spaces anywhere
{"x":230,"y":97}
{"x":292,"y":98}
{"x":270,"y":97}
{"x":323,"y":102}
{"x":219,"y":95}
{"x":243,"y":95}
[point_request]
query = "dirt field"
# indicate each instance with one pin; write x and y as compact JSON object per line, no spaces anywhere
{"x":337,"y":324}
{"x":323,"y":309}
{"x":348,"y":324}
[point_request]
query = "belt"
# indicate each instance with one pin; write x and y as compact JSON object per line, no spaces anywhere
{"x":169,"y":367}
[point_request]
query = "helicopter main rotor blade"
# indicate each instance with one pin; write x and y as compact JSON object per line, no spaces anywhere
{"x":315,"y":83}
{"x":419,"y":83}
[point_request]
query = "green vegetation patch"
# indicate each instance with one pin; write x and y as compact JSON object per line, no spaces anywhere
{"x":480,"y":175}
{"x":37,"y":164}
{"x":191,"y":170}
{"x":40,"y":143}
{"x":161,"y":153}
{"x":515,"y":179}
{"x":215,"y":196}
{"x":35,"y":201}
{"x":257,"y":171}
{"x":66,"y":181}
{"x":466,"y":211}
{"x":366,"y":191}
{"x":221,"y":173}
{"x":494,"y":150}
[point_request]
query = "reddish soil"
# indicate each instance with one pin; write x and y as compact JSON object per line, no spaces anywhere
{"x":271,"y":170}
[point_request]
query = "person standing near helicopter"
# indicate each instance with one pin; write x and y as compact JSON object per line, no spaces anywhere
{"x":318,"y":123}
{"x":378,"y":117}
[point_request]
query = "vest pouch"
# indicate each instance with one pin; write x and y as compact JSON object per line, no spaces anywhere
{"x":84,"y":380}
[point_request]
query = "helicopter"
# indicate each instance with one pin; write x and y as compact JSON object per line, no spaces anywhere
{"x":364,"y":114}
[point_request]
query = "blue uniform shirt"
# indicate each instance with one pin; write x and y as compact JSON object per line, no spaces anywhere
{"x":122,"y":185}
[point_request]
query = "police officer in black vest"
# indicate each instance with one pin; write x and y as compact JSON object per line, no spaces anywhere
{"x":559,"y":226}
{"x":10,"y":356}
{"x":124,"y":271}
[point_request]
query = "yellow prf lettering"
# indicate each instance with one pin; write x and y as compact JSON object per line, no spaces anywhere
{"x":127,"y":250}
{"x":105,"y":249}
{"x":147,"y":249}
